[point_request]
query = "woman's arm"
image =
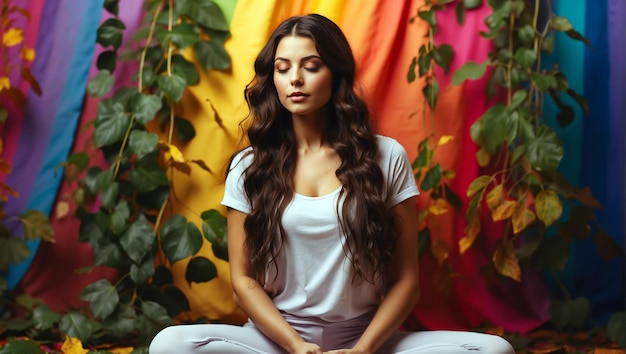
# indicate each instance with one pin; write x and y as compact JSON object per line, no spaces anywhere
{"x":402,"y":276}
{"x":251,"y":297}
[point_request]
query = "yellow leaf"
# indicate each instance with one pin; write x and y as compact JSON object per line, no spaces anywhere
{"x":5,"y":83}
{"x":73,"y":346}
{"x":504,"y":210}
{"x":471,"y":231}
{"x":506,"y":262}
{"x":440,"y":250}
{"x":28,"y":54}
{"x":438,"y":207}
{"x":12,"y":37}
{"x":483,"y":157}
{"x":63,"y":208}
{"x":522,"y":217}
{"x":174,"y":154}
{"x":445,"y":139}
{"x":495,"y":197}
{"x":548,"y":207}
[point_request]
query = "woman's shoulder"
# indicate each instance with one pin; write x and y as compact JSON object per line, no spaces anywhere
{"x":242,"y":158}
{"x":388,"y":146}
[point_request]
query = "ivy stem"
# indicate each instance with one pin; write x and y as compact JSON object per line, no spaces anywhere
{"x":120,"y":154}
{"x":169,"y":70}
{"x":144,"y":52}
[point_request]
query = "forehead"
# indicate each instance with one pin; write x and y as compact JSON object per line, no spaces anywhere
{"x":295,"y":47}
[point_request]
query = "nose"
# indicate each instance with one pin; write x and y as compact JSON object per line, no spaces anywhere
{"x":296,"y":79}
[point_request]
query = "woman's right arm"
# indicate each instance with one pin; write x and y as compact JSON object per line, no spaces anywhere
{"x":251,"y":297}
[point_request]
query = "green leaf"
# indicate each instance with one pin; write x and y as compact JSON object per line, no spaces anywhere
{"x":101,"y":83}
{"x":107,"y":254}
{"x":581,"y":100}
{"x":489,"y":131}
{"x":173,"y":86}
{"x":110,"y":33}
{"x":525,"y":57}
{"x":37,"y":225}
{"x":432,"y":178}
{"x":200,"y":270}
{"x":184,"y":129}
{"x":545,"y":152}
{"x":179,"y":239}
{"x":207,"y":14}
{"x":544,"y":81}
{"x":156,"y":313}
{"x":185,"y":69}
{"x":111,"y":123}
{"x":443,"y":56}
{"x":577,"y":36}
{"x":424,"y":240}
{"x":552,"y":254}
{"x":453,"y":198}
{"x":469,"y":71}
{"x":215,"y":231}
{"x":107,"y":60}
{"x":423,"y":62}
{"x":428,"y":16}
{"x":138,"y":239}
{"x":182,"y":35}
{"x":566,"y":116}
{"x":102,"y":296}
{"x":212,"y":55}
{"x":78,"y":159}
{"x":472,"y":4}
{"x":109,"y":195}
{"x":459,"y":11}
{"x":44,"y":318}
{"x":526,"y":34}
{"x":518,"y":98}
{"x":144,"y":107}
{"x":214,"y":225}
{"x":162,"y":276}
{"x":431,"y":92}
{"x":176,"y":300}
{"x":112,"y":6}
{"x":141,"y":273}
{"x":142,"y":143}
{"x":570,"y":314}
{"x":146,"y":180}
{"x":154,"y":199}
{"x":119,"y":217}
{"x":617,"y":328}
{"x":411,"y":76}
{"x":122,"y":321}
{"x":12,"y":251}
{"x":76,"y":324}
{"x":18,"y":346}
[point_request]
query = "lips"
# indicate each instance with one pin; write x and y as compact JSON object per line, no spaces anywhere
{"x":297,"y":97}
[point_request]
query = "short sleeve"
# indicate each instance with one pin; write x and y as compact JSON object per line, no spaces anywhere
{"x":399,"y":173}
{"x":234,"y":193}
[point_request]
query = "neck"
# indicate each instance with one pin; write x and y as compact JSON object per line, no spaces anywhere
{"x":310,"y":131}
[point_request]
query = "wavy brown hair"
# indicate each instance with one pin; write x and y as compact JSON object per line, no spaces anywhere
{"x":366,"y":220}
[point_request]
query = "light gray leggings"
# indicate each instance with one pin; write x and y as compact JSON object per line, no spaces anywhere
{"x":226,"y":339}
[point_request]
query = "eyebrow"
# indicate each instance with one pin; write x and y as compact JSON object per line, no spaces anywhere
{"x":307,"y":58}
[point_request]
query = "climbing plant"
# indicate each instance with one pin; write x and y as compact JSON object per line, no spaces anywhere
{"x":124,"y":207}
{"x":523,"y":190}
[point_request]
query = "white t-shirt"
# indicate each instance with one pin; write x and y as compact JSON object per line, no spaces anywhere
{"x":314,"y":278}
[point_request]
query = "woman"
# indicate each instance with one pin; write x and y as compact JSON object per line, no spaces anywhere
{"x":321,"y":217}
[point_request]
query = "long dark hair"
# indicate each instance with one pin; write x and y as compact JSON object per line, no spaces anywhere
{"x":366,"y":220}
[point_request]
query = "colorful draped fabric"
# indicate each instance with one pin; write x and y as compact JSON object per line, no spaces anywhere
{"x":383,"y":43}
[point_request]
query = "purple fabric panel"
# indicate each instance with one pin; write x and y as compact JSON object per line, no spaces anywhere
{"x":33,"y":138}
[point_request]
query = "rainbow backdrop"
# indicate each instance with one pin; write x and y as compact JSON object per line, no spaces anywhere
{"x":63,"y":34}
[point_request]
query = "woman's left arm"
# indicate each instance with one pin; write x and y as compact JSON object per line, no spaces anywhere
{"x":402,"y":276}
